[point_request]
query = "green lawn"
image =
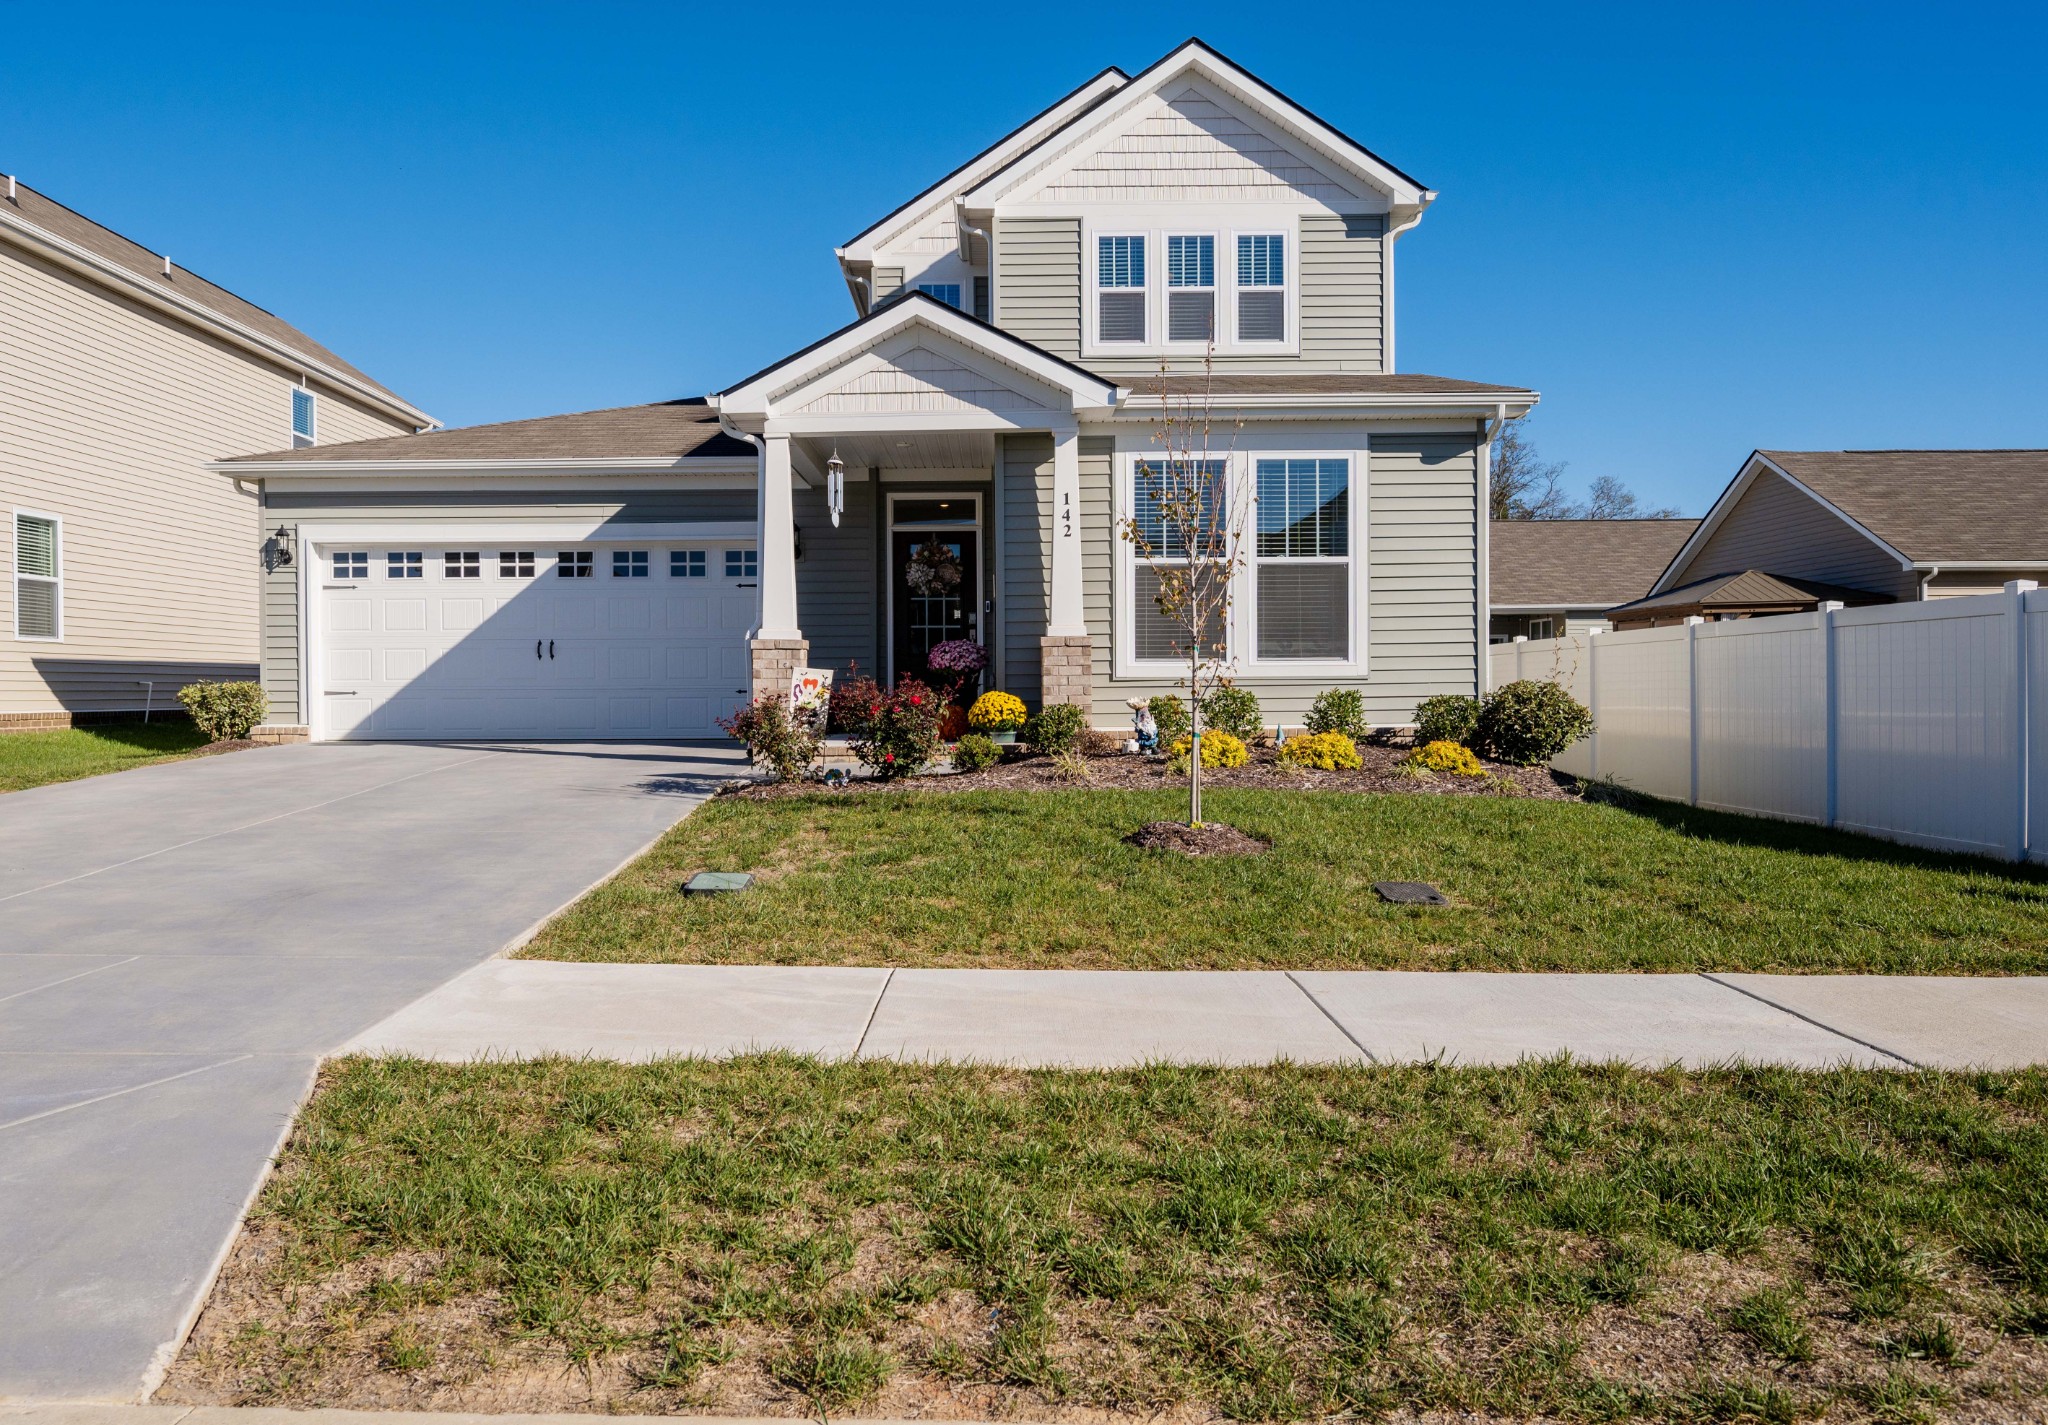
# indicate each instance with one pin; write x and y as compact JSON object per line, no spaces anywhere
{"x":31,"y":759}
{"x":774,"y":1235}
{"x":1042,"y":879}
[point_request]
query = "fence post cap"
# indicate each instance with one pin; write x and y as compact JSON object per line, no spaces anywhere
{"x":1691,"y":619}
{"x":1830,"y":606}
{"x":1521,"y":638}
{"x":2020,"y":586}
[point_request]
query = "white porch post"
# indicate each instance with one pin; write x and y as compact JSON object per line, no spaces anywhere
{"x":1065,"y":655}
{"x":779,"y":648}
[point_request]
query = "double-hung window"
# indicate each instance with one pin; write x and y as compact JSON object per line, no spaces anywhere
{"x":1191,"y":287}
{"x":38,"y":578}
{"x":1261,"y":287}
{"x":1302,"y":558}
{"x":1175,"y":504}
{"x":947,"y":292}
{"x":1120,"y":288}
{"x":303,"y":418}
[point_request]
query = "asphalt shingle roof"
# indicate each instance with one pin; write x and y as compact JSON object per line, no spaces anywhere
{"x":1935,"y":504}
{"x":1580,"y":563}
{"x":666,"y":428}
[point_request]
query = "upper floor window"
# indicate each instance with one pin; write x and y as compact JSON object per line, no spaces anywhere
{"x":38,"y":578}
{"x":947,"y":292}
{"x":303,"y":429}
{"x":1120,"y":288}
{"x":1261,"y":287}
{"x":1191,"y":287}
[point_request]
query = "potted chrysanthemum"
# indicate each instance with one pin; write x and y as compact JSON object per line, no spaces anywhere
{"x":955,"y":666}
{"x":999,"y":715}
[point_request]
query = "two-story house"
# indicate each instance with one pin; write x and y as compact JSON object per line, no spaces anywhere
{"x":132,"y":570}
{"x":956,"y":461}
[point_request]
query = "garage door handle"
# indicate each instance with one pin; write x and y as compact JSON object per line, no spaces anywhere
{"x":551,"y":650}
{"x":536,"y":648}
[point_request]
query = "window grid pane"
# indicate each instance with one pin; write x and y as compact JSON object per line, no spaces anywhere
{"x":515,"y":564}
{"x":1191,"y":261}
{"x":35,"y":546}
{"x":1304,"y":610}
{"x":1304,"y":509}
{"x":35,"y":607}
{"x":742,"y":564}
{"x":686,"y":563}
{"x":406,"y":564}
{"x":629,"y":564}
{"x":1120,"y":262}
{"x":574,"y":564}
{"x":947,"y":292}
{"x":1157,"y":638}
{"x":1150,"y":489}
{"x":352,"y":565}
{"x":1261,"y":260}
{"x":462,"y":564}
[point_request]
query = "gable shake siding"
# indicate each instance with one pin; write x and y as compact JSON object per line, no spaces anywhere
{"x":1038,"y":296}
{"x":279,"y":601}
{"x":112,"y":410}
{"x":1778,"y":530}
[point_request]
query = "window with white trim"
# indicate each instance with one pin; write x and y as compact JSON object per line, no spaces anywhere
{"x":462,"y":564}
{"x":1541,"y":628}
{"x":1120,"y":288}
{"x":947,"y":292}
{"x":38,"y":578}
{"x":574,"y":564}
{"x":515,"y":564}
{"x":304,"y":420}
{"x":1301,"y":603}
{"x":742,"y":564}
{"x":687,"y":564}
{"x":1191,"y":287}
{"x":352,"y":564}
{"x":981,"y":308}
{"x":1161,"y":548}
{"x":629,"y":564}
{"x":403,"y":564}
{"x":1261,"y":287}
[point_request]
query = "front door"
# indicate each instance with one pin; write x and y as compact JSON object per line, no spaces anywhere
{"x":936,"y":593}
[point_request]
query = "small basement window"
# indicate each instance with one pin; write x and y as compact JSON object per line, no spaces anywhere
{"x":352,"y":564}
{"x":38,"y":578}
{"x":303,"y":418}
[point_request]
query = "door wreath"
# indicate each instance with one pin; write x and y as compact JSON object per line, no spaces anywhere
{"x":933,"y":569}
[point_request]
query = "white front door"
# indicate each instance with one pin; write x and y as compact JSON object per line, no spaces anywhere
{"x":568,"y":641}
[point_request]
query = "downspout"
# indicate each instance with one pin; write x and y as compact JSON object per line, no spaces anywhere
{"x":987,"y":246}
{"x":760,"y":478}
{"x":1933,"y":573}
{"x":1387,"y":290}
{"x":1484,"y":571}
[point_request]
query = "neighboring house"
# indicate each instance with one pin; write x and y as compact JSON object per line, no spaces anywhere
{"x":1859,"y":527}
{"x":132,"y":569}
{"x":636,"y":572}
{"x":1556,"y":577}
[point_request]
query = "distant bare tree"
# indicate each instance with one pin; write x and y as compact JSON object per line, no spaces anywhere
{"x":1525,"y":486}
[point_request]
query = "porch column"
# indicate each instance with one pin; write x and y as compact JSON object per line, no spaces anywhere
{"x":1064,"y":652}
{"x":778,"y":647}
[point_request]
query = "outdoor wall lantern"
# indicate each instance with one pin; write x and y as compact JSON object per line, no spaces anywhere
{"x":835,"y":486}
{"x":277,"y":550}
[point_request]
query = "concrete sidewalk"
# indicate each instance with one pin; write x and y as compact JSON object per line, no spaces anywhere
{"x":524,"y":1008}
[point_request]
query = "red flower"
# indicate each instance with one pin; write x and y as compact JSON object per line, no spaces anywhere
{"x":916,"y":701}
{"x":888,"y":757}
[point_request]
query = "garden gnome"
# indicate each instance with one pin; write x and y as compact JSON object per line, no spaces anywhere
{"x":1143,"y":726}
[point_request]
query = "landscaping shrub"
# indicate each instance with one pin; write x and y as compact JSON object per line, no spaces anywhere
{"x":224,"y":711}
{"x":854,"y":700}
{"x":1056,"y":729}
{"x":1219,"y":749}
{"x":1339,"y":710}
{"x":1448,"y":717}
{"x":902,"y":735}
{"x":974,"y":752}
{"x":997,"y":712}
{"x":1233,"y":710}
{"x":1097,"y":743}
{"x":1444,"y":756}
{"x":1325,"y":751}
{"x":1530,"y":722}
{"x":785,"y":744}
{"x":1170,"y":716}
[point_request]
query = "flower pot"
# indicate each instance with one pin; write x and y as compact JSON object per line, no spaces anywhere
{"x":1004,"y":735}
{"x":954,"y":722}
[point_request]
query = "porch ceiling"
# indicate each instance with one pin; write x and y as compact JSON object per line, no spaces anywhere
{"x":905,"y":450}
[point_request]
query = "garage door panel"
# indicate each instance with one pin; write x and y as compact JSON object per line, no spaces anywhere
{"x":542,"y":657}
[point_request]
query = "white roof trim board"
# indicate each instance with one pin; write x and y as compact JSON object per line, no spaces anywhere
{"x":761,"y":395}
{"x":1193,"y":59}
{"x":1757,"y":464}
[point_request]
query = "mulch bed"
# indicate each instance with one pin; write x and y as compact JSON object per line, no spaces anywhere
{"x":226,"y":744}
{"x":1211,"y":838}
{"x":1024,"y":771}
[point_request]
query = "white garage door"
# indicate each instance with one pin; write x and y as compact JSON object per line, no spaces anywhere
{"x":571,"y":641}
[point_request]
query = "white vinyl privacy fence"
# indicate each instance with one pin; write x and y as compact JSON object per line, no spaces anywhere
{"x":1924,"y":723}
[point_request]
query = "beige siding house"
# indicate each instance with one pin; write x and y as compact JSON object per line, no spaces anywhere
{"x":1859,"y":526}
{"x":953,"y":463}
{"x":133,"y":568}
{"x":1552,"y":578}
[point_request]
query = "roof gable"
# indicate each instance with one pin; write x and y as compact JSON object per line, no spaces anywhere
{"x":916,"y":372}
{"x":1194,"y":91}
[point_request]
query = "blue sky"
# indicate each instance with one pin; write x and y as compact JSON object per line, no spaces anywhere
{"x":1696,"y":229}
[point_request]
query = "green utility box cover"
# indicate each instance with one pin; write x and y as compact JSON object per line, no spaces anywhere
{"x":711,"y":883}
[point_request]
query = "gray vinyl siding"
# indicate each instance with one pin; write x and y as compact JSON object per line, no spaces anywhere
{"x":279,"y":612}
{"x":887,"y":281}
{"x":1025,"y":530}
{"x":1422,"y":591}
{"x":1038,"y":296}
{"x":835,"y":580}
{"x":1038,"y":282}
{"x":1780,"y":530}
{"x":1961,"y":583}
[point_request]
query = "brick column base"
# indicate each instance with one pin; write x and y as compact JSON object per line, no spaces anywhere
{"x":1066,"y":670}
{"x":280,"y":732}
{"x":776,"y":661}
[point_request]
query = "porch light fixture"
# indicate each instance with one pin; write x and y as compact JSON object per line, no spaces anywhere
{"x":835,"y":486}
{"x":278,"y":549}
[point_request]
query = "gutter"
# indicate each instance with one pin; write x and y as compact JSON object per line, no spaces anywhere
{"x":244,"y":469}
{"x":70,"y":254}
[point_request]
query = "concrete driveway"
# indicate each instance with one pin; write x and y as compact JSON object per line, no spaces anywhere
{"x":178,"y":947}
